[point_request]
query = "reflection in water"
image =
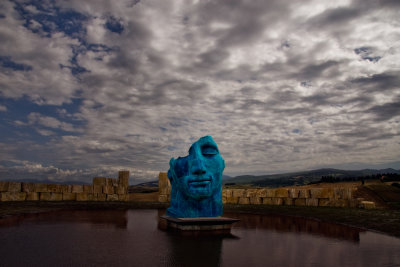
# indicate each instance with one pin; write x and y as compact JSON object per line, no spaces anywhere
{"x":198,"y":251}
{"x":295,"y":225}
{"x":101,"y":218}
{"x":132,"y":238}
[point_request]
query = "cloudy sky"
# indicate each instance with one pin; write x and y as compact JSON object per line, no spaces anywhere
{"x":88,"y":88}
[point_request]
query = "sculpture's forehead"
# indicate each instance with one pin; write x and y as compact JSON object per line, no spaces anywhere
{"x":204,"y":141}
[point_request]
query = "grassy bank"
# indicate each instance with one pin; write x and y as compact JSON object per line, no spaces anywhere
{"x":386,"y":221}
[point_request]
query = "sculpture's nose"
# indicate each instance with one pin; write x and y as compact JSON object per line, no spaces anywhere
{"x":198,"y":167}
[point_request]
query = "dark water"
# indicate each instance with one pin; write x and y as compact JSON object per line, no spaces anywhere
{"x":132,"y":238}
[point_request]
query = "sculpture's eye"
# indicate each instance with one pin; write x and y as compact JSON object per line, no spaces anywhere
{"x":209,"y":151}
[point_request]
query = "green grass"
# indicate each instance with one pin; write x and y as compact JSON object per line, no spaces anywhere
{"x":389,"y":194}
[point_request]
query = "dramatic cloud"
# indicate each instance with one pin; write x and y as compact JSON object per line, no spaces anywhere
{"x":91,"y":86}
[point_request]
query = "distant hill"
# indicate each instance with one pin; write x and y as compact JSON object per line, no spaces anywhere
{"x":225,"y":177}
{"x":149,"y":184}
{"x":304,"y":177}
{"x":147,"y":187}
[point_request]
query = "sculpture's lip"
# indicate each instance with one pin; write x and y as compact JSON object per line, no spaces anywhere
{"x":200,"y":181}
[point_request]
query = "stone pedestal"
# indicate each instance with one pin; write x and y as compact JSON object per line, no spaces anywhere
{"x":216,"y":225}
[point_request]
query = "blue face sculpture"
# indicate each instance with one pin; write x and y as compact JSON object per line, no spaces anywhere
{"x":196,"y":181}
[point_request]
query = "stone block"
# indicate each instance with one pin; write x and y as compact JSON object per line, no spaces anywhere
{"x":41,"y":188}
{"x":232,"y":200}
{"x":123,"y":178}
{"x":163,"y":181}
{"x":109,"y":182}
{"x":304,"y":193}
{"x":300,"y":202}
{"x":66,"y":188}
{"x":28,"y":187}
{"x":244,"y":200}
{"x":45,"y":196}
{"x":228,"y":192}
{"x":270,"y":192}
{"x":288,"y":201}
{"x":82,"y":196}
{"x":261,"y":193}
{"x":32,"y":196}
{"x":327,"y":193}
{"x":282,"y":192}
{"x":121,"y":190}
{"x":101,"y":181}
{"x":14,"y":187}
{"x":294,"y":193}
{"x":56,"y":197}
{"x":54,"y":188}
{"x":338,"y":193}
{"x":123,"y":197}
{"x":251,"y":192}
{"x":164,"y":191}
{"x":77,"y":188}
{"x":348,"y":193}
{"x":13,"y":196}
{"x":109,"y":190}
{"x":255,"y":200}
{"x":368,"y":204}
{"x":316,"y":192}
{"x":312,"y":202}
{"x":100,"y":197}
{"x":162,"y":198}
{"x":267,"y":200}
{"x":97,"y":189}
{"x":324,"y":202}
{"x":223,"y":200}
{"x":69,"y":196}
{"x":88,"y":189}
{"x":238,"y":192}
{"x":112,"y":197}
{"x":3,"y":186}
{"x":277,"y":201}
{"x":322,"y":193}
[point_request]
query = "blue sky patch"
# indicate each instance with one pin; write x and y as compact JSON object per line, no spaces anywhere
{"x":51,"y":18}
{"x":6,"y":62}
{"x":114,"y":25}
{"x":14,"y":121}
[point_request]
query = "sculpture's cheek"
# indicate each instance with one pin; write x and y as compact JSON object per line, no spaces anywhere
{"x":215,"y":165}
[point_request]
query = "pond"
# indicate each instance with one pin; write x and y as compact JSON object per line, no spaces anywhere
{"x":132,"y":238}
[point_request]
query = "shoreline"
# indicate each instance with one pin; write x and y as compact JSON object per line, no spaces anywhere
{"x":385,"y":221}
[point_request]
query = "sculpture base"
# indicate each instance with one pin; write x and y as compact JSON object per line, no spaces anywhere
{"x":214,"y":225}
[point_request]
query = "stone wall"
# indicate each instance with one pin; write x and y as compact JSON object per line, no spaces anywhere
{"x":332,"y":197}
{"x":102,"y":189}
{"x":164,"y":188}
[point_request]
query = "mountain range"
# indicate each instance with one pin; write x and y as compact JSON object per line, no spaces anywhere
{"x":303,"y":177}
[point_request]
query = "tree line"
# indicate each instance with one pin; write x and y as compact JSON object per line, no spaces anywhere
{"x":383,"y":177}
